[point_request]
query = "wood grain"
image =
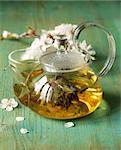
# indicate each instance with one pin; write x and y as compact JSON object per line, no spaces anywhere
{"x":98,"y":131}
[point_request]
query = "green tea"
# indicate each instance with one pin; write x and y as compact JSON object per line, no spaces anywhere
{"x":63,"y":95}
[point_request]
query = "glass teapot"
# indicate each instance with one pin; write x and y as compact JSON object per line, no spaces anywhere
{"x":62,"y":85}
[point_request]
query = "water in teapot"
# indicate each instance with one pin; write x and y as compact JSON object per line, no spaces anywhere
{"x":61,"y":95}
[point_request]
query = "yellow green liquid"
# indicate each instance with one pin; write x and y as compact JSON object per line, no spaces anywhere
{"x":75,"y":94}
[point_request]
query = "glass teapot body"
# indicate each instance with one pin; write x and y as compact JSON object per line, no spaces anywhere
{"x":62,"y":95}
{"x":62,"y":85}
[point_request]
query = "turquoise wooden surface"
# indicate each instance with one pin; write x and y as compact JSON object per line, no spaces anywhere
{"x":98,"y":131}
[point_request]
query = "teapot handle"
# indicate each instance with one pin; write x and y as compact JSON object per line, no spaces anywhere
{"x":112,"y":48}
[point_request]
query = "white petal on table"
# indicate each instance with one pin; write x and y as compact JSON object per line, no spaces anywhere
{"x":19,"y":119}
{"x":23,"y":131}
{"x":69,"y":125}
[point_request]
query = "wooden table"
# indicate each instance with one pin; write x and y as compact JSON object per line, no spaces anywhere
{"x":99,"y":131}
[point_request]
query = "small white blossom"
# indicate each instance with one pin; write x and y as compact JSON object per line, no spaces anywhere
{"x":65,"y":29}
{"x":5,"y":34}
{"x":69,"y":125}
{"x":47,"y":41}
{"x":8,"y":104}
{"x":87,"y":49}
{"x":19,"y":119}
{"x":35,"y":43}
{"x":23,"y":131}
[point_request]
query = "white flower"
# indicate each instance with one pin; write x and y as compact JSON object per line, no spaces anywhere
{"x":32,"y":54}
{"x":23,"y":131}
{"x":8,"y":104}
{"x":87,"y":50}
{"x":35,"y":43}
{"x":65,"y":29}
{"x":83,"y":45}
{"x":19,"y":119}
{"x":48,"y":42}
{"x":5,"y":34}
{"x":69,"y":125}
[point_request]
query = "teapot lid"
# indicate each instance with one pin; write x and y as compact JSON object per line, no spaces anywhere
{"x":63,"y":61}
